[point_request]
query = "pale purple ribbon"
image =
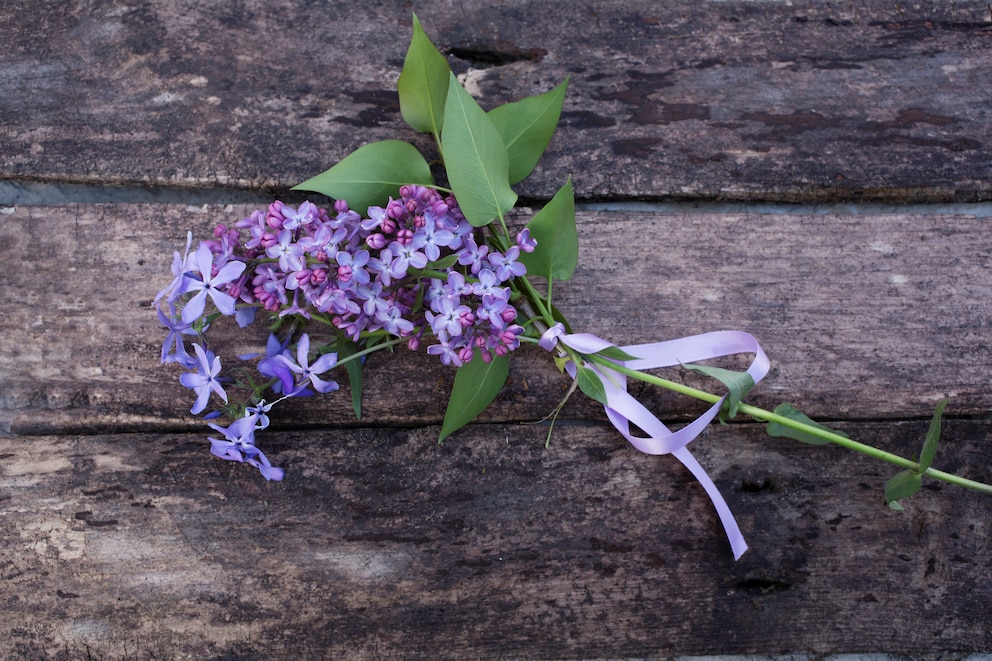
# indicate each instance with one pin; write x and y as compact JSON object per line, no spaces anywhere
{"x":623,"y":409}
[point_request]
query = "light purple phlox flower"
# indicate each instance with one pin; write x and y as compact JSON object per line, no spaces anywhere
{"x":180,"y":267}
{"x":474,"y":256}
{"x":447,"y":322}
{"x":177,"y":328}
{"x":407,"y":256}
{"x":289,"y":254}
{"x":307,"y":372}
{"x":293,"y":218}
{"x":506,"y":264}
{"x":208,"y":285}
{"x":434,"y":238}
{"x":204,"y":380}
{"x":239,"y":445}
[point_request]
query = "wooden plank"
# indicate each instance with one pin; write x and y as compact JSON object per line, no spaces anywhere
{"x":382,"y":544}
{"x":874,"y":100}
{"x":862,"y":318}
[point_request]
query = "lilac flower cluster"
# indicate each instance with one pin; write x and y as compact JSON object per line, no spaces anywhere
{"x":413,"y":271}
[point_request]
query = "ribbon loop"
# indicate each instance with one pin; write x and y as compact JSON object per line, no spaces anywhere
{"x":622,"y":409}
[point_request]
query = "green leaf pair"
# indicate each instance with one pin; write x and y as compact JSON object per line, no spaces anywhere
{"x":484,"y":154}
{"x":738,"y":384}
{"x":789,"y":411}
{"x":906,"y":483}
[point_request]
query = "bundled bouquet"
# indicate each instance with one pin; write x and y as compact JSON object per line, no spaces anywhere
{"x":401,"y":259}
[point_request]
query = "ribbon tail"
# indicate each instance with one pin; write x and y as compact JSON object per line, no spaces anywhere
{"x":734,"y":535}
{"x":624,"y":409}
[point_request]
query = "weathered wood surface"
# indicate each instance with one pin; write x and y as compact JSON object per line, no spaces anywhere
{"x":876,"y":319}
{"x":122,"y":537}
{"x":381,"y":544}
{"x":732,"y":100}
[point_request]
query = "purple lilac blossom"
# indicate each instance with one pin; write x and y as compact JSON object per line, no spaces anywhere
{"x":355,"y":275}
{"x":238,"y":444}
{"x":307,"y":372}
{"x":204,"y":380}
{"x":208,"y":284}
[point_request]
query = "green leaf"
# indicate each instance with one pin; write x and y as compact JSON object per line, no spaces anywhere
{"x":902,"y":485}
{"x":615,"y":353}
{"x":790,"y":412}
{"x":590,"y":384}
{"x":474,"y":158}
{"x":346,"y":348}
{"x":370,"y":174}
{"x":423,"y":83}
{"x":738,"y":384}
{"x":443,"y":264}
{"x":933,"y":435}
{"x":526,"y":127}
{"x":557,"y":252}
{"x":476,"y":385}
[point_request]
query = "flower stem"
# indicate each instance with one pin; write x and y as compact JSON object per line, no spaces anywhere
{"x":768,"y":416}
{"x":371,"y":349}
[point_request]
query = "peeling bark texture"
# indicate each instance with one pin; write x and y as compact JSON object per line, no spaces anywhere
{"x":719,"y":100}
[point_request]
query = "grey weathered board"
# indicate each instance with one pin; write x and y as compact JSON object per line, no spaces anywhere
{"x":792,"y":101}
{"x":381,"y":544}
{"x":876,"y":318}
{"x":122,"y":538}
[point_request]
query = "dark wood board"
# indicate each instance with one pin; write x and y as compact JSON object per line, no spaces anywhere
{"x":381,"y":544}
{"x":862,"y":317}
{"x":798,"y":101}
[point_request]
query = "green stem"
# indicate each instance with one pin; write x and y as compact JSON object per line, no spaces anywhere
{"x":535,"y":299}
{"x":769,"y":416}
{"x":376,"y":347}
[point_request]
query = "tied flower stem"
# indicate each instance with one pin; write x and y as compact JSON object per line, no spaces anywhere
{"x":768,"y":416}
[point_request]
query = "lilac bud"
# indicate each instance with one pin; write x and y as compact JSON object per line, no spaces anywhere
{"x":274,"y":216}
{"x":413,"y":343}
{"x":406,"y":191}
{"x":404,"y":237}
{"x":501,"y":350}
{"x":376,"y":241}
{"x":388,"y":226}
{"x":508,"y":314}
{"x":524,"y":242}
{"x":465,"y":355}
{"x":340,"y":206}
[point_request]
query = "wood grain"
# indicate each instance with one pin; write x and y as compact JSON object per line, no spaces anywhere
{"x":799,"y":101}
{"x":863,"y":317}
{"x":382,"y":544}
{"x":121,"y":537}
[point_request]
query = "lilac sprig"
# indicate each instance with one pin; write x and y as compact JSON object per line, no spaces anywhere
{"x":413,"y":271}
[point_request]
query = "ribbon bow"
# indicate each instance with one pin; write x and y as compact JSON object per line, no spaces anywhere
{"x":623,"y":409}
